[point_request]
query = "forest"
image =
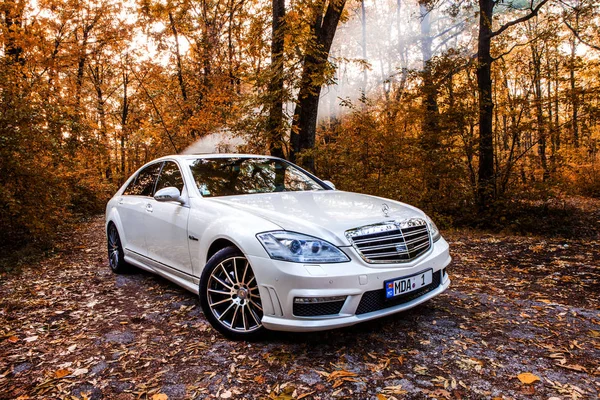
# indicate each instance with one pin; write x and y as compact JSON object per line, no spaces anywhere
{"x":470,"y":110}
{"x":483,"y":113}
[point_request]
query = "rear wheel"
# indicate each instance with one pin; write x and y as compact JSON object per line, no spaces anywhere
{"x":116,"y":257}
{"x":229,"y":295}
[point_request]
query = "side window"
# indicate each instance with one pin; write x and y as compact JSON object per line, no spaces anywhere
{"x":129,"y":189}
{"x":170,"y":176}
{"x":144,"y":182}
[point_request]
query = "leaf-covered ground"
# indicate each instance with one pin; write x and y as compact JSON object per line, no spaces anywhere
{"x":520,"y":309}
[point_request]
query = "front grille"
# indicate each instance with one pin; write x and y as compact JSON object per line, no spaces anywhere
{"x":375,"y":300}
{"x":395,"y":241}
{"x":317,"y":309}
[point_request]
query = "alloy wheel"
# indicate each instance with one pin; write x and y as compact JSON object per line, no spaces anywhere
{"x":114,"y":247}
{"x":233,"y":296}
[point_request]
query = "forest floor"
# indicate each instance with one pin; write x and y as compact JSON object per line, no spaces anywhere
{"x":519,"y":309}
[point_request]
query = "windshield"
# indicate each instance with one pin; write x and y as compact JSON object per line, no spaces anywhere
{"x":238,"y":175}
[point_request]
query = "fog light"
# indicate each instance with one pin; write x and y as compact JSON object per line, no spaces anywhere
{"x":313,"y":300}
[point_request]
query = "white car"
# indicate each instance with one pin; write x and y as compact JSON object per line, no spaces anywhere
{"x":267,"y":245}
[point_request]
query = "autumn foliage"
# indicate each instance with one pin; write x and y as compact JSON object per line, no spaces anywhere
{"x":90,"y":91}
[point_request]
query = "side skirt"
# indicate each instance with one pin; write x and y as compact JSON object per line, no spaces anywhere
{"x":186,"y":281}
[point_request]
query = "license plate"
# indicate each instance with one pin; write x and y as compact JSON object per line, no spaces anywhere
{"x":407,"y":284}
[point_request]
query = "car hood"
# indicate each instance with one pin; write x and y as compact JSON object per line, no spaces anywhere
{"x":324,"y":214}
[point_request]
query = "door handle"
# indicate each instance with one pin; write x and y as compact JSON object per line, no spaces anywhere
{"x":149,"y":207}
{"x":121,"y":200}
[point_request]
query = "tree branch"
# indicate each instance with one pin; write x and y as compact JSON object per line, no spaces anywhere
{"x":533,"y":13}
{"x":514,"y":46}
{"x":460,"y":24}
{"x":162,"y":122}
{"x":593,"y":46}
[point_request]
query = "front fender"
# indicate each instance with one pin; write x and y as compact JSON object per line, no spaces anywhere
{"x":211,"y":221}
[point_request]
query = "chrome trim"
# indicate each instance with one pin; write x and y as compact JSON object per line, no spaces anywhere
{"x":403,"y":239}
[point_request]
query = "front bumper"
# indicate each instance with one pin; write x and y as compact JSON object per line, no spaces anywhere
{"x":280,"y":282}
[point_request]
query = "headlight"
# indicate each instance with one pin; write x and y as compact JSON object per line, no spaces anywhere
{"x":435,"y":232}
{"x":296,"y":247}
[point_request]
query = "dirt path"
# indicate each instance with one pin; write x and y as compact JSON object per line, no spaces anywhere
{"x":69,"y":328}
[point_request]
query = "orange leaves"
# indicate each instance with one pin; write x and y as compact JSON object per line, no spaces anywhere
{"x":61,"y":373}
{"x":159,"y":396}
{"x":340,"y":376}
{"x":13,"y":339}
{"x":527,"y":378}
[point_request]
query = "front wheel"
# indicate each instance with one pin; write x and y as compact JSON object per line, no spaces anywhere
{"x":229,"y":295}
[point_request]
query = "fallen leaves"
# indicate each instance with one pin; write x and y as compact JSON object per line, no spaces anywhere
{"x":528,"y":378}
{"x":61,"y":373}
{"x":420,"y":369}
{"x":485,"y":333}
{"x":571,"y":390}
{"x":338,"y":377}
{"x":574,"y":367}
{"x":437,"y":393}
{"x":79,"y":372}
{"x":394,"y":390}
{"x":470,"y":364}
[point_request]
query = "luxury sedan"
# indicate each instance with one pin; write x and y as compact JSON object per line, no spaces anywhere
{"x":267,"y":245}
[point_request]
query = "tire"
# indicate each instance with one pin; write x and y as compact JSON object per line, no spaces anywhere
{"x":116,"y":257}
{"x":229,"y":296}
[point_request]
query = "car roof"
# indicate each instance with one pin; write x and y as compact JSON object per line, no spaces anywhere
{"x":213,"y":155}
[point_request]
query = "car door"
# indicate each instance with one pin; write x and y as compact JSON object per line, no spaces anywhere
{"x":132,"y":208}
{"x":166,"y":223}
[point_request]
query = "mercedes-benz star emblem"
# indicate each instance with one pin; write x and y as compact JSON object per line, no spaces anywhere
{"x":386,"y":209}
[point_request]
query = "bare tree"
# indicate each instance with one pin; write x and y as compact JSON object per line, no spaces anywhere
{"x":486,"y":182}
{"x":304,"y":126}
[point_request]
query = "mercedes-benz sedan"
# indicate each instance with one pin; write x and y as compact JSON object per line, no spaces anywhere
{"x":267,"y":245}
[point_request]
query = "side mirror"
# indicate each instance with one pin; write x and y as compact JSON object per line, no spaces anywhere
{"x":169,"y":194}
{"x":330,"y":184}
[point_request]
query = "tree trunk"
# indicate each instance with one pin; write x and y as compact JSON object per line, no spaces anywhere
{"x":81,"y":61}
{"x":430,"y":135}
{"x":304,"y":126}
{"x":124,"y":116}
{"x":275,"y":124}
{"x":551,"y":127}
{"x":364,"y":43}
{"x":105,"y":160}
{"x":187,"y":111}
{"x":539,"y":110}
{"x":485,"y":180}
{"x":574,"y":97}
